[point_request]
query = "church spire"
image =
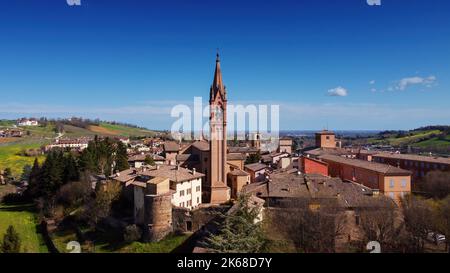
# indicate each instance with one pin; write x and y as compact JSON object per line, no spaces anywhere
{"x":217,"y":85}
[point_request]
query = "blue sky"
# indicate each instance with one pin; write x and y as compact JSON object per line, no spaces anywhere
{"x":341,"y":64}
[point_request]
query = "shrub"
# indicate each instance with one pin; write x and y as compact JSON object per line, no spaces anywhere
{"x":132,"y":233}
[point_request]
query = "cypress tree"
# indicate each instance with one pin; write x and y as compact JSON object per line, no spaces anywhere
{"x":11,"y":241}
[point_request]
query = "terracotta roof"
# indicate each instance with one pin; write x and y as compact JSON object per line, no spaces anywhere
{"x":368,"y":165}
{"x":311,"y":186}
{"x":236,"y":156}
{"x":255,"y":166}
{"x":171,"y":146}
{"x":187,"y":157}
{"x":325,"y":132}
{"x":238,"y":172}
{"x":324,"y":151}
{"x":142,"y":157}
{"x":173,"y":173}
{"x":201,"y":145}
{"x":412,"y":157}
{"x":242,"y":150}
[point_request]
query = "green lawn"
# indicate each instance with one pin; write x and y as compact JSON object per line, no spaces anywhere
{"x":40,"y":131}
{"x":112,"y":242}
{"x":164,"y":246}
{"x":9,"y":157}
{"x":434,"y":142}
{"x":24,"y":221}
{"x":126,"y":131}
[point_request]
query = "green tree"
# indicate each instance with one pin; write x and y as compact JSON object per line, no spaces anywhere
{"x":71,"y":172}
{"x":239,"y":231}
{"x":33,"y":179}
{"x":26,"y":171}
{"x":253,"y":158}
{"x":121,"y":157}
{"x":11,"y":241}
{"x":149,"y":160}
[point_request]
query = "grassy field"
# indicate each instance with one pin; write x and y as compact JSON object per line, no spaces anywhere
{"x":421,"y":139}
{"x":110,"y":242}
{"x":123,"y":130}
{"x":9,"y":157}
{"x":434,"y":142}
{"x":24,"y":221}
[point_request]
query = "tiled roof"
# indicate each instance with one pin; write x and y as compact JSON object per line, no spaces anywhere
{"x":238,"y":172}
{"x":242,"y":150}
{"x":171,"y":146}
{"x":311,"y":186}
{"x":187,"y":157}
{"x":236,"y":156}
{"x":324,"y":151}
{"x":201,"y":145}
{"x":255,"y":166}
{"x":373,"y":166}
{"x":412,"y":157}
{"x":142,"y":157}
{"x":173,"y":173}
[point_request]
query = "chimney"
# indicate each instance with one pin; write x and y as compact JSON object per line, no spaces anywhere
{"x":157,"y":166}
{"x":193,"y":171}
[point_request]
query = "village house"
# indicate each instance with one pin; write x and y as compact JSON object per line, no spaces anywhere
{"x":392,"y":181}
{"x":285,"y":145}
{"x":27,"y":122}
{"x":273,"y":158}
{"x":257,"y":171}
{"x":138,"y":160}
{"x":310,"y":165}
{"x":186,"y":184}
{"x":78,"y":144}
{"x":417,"y":164}
{"x":288,"y":190}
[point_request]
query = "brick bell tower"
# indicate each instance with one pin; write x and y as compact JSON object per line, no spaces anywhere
{"x":219,"y":191}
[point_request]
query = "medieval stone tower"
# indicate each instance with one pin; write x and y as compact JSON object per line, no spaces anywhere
{"x":219,"y":192}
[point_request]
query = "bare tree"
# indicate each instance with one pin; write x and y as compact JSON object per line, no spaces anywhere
{"x":377,"y":221}
{"x":312,"y":227}
{"x":437,"y":184}
{"x":418,"y":218}
{"x":442,"y":220}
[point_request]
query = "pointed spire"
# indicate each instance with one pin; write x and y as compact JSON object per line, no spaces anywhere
{"x":217,"y":85}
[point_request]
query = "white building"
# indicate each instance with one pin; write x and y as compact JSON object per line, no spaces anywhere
{"x":185,"y":184}
{"x":27,"y":122}
{"x":76,"y":144}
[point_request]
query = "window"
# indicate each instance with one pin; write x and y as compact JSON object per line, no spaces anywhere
{"x":198,"y":200}
{"x":197,"y":188}
{"x":391,"y":183}
{"x":404,"y":183}
{"x":189,"y":191}
{"x":391,"y":195}
{"x":327,"y":137}
{"x":182,"y":193}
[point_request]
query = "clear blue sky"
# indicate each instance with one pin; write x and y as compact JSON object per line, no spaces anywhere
{"x":132,"y":60}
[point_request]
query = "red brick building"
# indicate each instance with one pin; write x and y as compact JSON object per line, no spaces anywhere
{"x":308,"y":165}
{"x":417,"y":164}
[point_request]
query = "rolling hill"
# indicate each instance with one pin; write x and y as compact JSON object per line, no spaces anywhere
{"x":37,"y":136}
{"x":426,"y":139}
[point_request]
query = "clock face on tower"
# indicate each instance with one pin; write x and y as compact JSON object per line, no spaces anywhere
{"x":217,"y":113}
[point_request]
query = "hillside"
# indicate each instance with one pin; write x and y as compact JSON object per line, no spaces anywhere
{"x":425,"y":139}
{"x":11,"y":155}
